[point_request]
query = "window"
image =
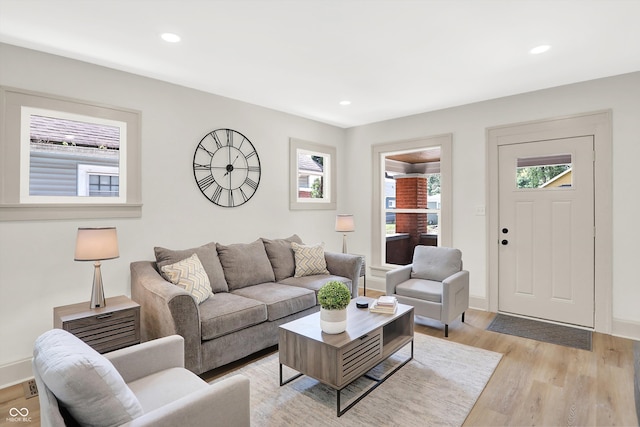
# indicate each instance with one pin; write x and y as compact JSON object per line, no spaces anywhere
{"x":544,"y":172}
{"x":67,"y":159}
{"x":426,"y":161}
{"x":313,"y":175}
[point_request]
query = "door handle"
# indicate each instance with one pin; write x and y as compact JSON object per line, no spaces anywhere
{"x":505,"y":242}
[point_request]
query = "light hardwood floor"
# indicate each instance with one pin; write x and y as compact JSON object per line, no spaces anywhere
{"x":534,"y":384}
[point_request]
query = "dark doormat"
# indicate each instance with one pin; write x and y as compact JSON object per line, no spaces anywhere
{"x":541,"y":331}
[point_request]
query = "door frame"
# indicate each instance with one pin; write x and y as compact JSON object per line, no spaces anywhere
{"x":597,"y":124}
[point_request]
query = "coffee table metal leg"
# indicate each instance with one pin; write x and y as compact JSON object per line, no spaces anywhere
{"x":377,"y":381}
{"x":290,"y":379}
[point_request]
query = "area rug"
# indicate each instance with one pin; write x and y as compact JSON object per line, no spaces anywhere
{"x":541,"y":331}
{"x":438,"y":387}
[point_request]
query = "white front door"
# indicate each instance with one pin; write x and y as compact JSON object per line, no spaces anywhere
{"x":546,"y":217}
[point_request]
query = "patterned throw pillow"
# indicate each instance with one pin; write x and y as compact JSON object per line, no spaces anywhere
{"x":309,"y":259}
{"x":190,"y":275}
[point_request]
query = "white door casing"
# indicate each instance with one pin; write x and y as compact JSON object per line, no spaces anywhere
{"x":599,"y":125}
{"x":546,"y":253}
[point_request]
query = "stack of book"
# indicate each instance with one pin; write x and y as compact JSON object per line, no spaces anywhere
{"x":384,"y":304}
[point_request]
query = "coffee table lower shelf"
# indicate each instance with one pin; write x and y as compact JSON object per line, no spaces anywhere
{"x":377,"y":382}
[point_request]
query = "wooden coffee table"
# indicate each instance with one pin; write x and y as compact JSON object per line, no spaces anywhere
{"x":337,"y":360}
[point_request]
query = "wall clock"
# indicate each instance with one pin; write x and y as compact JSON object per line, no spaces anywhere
{"x":226,"y":167}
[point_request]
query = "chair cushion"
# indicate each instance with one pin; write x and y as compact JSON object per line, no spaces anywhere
{"x":435,"y":263}
{"x":315,"y":282}
{"x":189,"y":275}
{"x":309,"y":259}
{"x":208,"y":256}
{"x":84,"y":381}
{"x":281,"y":300}
{"x":228,"y":313}
{"x":281,"y":256}
{"x":245,"y":264}
{"x":428,"y":290}
{"x":161,"y":388}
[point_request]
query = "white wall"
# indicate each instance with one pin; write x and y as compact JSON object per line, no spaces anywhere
{"x":37,"y":271}
{"x":468,"y":125}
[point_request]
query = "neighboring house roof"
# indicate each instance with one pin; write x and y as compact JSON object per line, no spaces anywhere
{"x":306,"y":163}
{"x":53,"y":130}
{"x":564,"y":179}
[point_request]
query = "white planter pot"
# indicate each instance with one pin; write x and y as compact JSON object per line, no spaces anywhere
{"x":333,"y":321}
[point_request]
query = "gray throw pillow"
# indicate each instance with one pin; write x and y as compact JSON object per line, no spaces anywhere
{"x":208,"y":256}
{"x":435,"y":263}
{"x":84,"y":381}
{"x":245,"y":264}
{"x":281,"y":256}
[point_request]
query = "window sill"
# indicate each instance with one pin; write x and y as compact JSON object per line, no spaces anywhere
{"x":29,"y":212}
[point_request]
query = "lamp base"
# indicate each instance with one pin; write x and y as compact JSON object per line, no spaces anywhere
{"x":97,"y":292}
{"x":344,"y":243}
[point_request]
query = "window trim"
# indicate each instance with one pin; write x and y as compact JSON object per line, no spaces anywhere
{"x":12,"y":208}
{"x":329,"y":202}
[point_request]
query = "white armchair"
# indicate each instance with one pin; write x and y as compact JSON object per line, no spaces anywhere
{"x":434,"y":284}
{"x":142,"y":385}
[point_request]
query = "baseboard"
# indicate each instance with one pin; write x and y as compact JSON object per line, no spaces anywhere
{"x":15,"y":373}
{"x":626,"y":329}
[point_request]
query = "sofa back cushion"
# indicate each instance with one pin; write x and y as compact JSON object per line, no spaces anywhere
{"x":84,"y":381}
{"x":435,"y":263}
{"x":281,"y":256}
{"x":208,"y":256}
{"x":245,"y":264}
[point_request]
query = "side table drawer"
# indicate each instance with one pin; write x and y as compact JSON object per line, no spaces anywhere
{"x":114,"y":326}
{"x":107,"y":331}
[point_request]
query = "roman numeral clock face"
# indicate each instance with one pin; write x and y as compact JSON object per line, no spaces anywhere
{"x":226,"y":167}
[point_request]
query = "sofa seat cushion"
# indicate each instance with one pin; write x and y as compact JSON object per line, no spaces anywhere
{"x":245,"y":264}
{"x":208,"y":256}
{"x":428,"y":290}
{"x":315,"y":282}
{"x":161,"y":388}
{"x":226,"y":313}
{"x":281,"y":256}
{"x":281,"y":300}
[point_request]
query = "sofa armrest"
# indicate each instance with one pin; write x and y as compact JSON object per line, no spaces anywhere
{"x":148,"y":357}
{"x":166,"y":310}
{"x":345,"y":265}
{"x":224,"y":403}
{"x":394,"y":277}
{"x":455,"y":295}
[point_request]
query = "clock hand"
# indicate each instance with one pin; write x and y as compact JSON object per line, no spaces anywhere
{"x":234,"y":160}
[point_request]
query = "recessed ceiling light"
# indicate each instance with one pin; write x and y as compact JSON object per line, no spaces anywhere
{"x":345,"y":102}
{"x":170,"y":37}
{"x":540,"y":49}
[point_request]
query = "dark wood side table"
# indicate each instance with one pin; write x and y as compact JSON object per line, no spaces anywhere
{"x":114,"y":326}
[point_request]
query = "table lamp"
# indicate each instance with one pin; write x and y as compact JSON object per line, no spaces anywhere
{"x":344,"y":224}
{"x":97,"y":244}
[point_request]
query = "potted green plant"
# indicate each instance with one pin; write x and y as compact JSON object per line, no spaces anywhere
{"x":334,"y":297}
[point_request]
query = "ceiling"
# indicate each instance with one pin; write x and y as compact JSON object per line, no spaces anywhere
{"x":390,"y":58}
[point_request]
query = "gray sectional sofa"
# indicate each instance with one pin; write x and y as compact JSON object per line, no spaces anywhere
{"x":255,"y":289}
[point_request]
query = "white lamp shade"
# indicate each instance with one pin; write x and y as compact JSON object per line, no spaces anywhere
{"x":345,"y":223}
{"x":96,"y":244}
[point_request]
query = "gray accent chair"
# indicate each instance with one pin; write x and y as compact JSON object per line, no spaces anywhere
{"x":434,"y":284}
{"x":141,"y":385}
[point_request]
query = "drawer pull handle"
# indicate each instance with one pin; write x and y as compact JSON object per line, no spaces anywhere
{"x":104,"y":316}
{"x":364,"y":336}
